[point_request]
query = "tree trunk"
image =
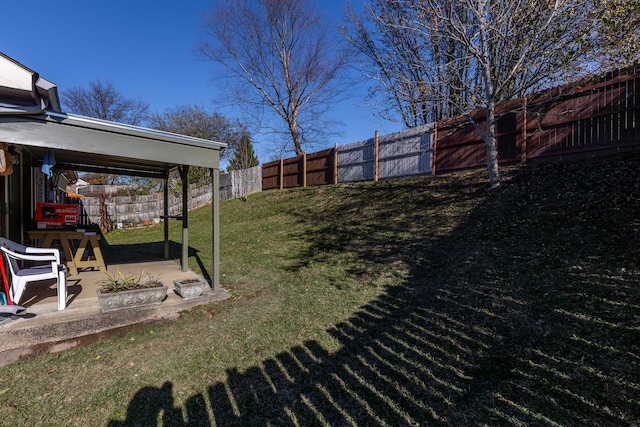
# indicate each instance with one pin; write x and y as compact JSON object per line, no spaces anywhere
{"x":484,"y":10}
{"x":492,"y":146}
{"x":295,"y":134}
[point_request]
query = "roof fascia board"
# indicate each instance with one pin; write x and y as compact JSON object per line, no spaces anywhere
{"x":135,"y":130}
{"x":75,"y":133}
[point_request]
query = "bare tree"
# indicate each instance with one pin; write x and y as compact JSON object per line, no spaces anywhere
{"x":413,"y":67}
{"x":516,"y":46}
{"x":618,"y":33}
{"x":477,"y":53}
{"x":391,"y":55}
{"x":280,"y":56}
{"x":437,"y":58}
{"x":103,"y":101}
{"x":194,"y":120}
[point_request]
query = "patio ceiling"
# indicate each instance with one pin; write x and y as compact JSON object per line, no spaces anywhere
{"x":90,"y":145}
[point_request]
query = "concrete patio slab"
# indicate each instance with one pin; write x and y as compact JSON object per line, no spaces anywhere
{"x":44,"y":329}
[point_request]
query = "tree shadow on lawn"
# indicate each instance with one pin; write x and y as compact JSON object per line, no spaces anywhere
{"x":524,"y":313}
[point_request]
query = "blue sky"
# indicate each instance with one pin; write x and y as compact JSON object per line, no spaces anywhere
{"x":145,"y":49}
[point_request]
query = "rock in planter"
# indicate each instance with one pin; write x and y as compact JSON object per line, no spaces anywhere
{"x":138,"y":297}
{"x":190,"y":288}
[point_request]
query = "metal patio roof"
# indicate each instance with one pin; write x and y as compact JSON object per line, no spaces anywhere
{"x":90,"y":145}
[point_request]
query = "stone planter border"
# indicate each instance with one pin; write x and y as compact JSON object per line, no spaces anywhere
{"x":190,"y":288}
{"x":131,"y":298}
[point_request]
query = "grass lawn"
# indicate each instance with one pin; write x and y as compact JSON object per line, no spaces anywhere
{"x":425,"y":301}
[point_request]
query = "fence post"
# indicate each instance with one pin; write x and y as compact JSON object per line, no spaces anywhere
{"x":304,"y":169}
{"x":433,"y":149}
{"x":281,"y":173}
{"x":335,"y":164}
{"x":375,"y":158}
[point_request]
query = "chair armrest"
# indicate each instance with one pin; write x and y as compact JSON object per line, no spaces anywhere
{"x":51,"y":251}
{"x":42,"y":257}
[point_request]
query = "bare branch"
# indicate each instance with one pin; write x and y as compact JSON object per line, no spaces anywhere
{"x":279,"y":54}
{"x":103,"y":101}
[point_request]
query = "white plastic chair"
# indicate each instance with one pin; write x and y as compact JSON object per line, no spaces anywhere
{"x":16,"y":254}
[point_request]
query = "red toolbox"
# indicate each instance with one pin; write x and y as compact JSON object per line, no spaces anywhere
{"x":56,"y":215}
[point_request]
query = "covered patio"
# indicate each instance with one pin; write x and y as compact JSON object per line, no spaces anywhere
{"x":41,"y":141}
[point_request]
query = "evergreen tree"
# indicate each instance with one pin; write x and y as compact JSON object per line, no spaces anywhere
{"x":244,"y":157}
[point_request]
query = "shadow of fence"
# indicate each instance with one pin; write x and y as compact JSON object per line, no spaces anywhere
{"x":517,"y":315}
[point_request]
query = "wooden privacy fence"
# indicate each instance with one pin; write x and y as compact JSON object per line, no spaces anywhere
{"x":299,"y":171}
{"x":398,"y":154}
{"x":126,"y":211}
{"x":240,"y":183}
{"x":597,"y":114}
{"x":135,"y":210}
{"x":594,"y":115}
{"x":403,"y":153}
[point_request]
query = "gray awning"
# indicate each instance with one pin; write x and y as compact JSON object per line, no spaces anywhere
{"x":91,"y":145}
